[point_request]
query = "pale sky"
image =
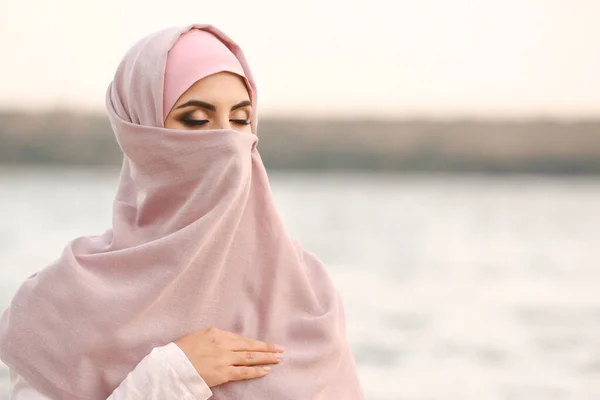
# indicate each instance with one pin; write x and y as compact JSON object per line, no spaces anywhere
{"x":378,"y":57}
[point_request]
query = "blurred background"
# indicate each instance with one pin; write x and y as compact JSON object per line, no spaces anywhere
{"x":441,"y":157}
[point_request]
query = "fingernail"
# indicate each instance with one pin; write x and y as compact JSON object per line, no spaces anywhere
{"x":279,"y":349}
{"x":279,"y":356}
{"x":267,"y":369}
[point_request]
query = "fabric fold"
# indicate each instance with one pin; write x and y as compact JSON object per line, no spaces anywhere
{"x":196,"y":242}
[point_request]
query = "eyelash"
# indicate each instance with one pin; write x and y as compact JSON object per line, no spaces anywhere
{"x":200,"y":122}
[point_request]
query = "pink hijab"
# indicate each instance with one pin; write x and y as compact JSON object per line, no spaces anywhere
{"x":196,"y":241}
{"x":195,"y":55}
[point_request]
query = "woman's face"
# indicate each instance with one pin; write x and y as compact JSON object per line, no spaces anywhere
{"x":218,"y":101}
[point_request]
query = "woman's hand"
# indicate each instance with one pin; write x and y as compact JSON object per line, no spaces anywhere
{"x":220,"y":357}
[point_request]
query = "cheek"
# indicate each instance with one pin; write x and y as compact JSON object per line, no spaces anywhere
{"x":245,"y":128}
{"x":171,"y":123}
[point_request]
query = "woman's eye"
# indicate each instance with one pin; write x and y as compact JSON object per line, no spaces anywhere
{"x":240,"y":121}
{"x":194,"y":122}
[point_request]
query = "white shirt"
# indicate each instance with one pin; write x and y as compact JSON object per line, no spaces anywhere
{"x":165,"y":373}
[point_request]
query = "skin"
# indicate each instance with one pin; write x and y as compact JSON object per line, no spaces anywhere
{"x":221,"y":101}
{"x":218,"y":101}
{"x":220,"y":357}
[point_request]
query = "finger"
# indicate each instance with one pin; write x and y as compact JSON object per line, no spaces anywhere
{"x":247,"y":344}
{"x":245,"y":373}
{"x":250,"y":358}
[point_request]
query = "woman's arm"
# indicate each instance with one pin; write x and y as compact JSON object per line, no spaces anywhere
{"x":186,"y":369}
{"x":165,"y":373}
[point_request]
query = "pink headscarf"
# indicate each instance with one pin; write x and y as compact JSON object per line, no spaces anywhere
{"x":196,"y":241}
{"x":197,"y":54}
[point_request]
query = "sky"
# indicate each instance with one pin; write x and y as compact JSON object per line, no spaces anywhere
{"x":457,"y":58}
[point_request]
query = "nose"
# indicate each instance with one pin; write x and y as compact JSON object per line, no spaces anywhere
{"x":222,"y":122}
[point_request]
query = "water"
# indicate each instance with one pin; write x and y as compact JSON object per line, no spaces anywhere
{"x":455,"y":287}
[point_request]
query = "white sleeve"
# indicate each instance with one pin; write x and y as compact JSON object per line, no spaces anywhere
{"x":165,"y":373}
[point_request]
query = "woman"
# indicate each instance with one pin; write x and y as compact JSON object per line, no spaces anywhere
{"x":197,"y":287}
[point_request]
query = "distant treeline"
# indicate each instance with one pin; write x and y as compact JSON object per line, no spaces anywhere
{"x":533,"y":146}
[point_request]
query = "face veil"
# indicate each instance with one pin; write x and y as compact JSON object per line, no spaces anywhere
{"x":196,"y":241}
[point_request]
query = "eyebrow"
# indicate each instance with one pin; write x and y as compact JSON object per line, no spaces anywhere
{"x":208,"y":106}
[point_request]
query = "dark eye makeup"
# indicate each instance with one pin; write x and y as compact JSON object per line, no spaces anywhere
{"x":192,"y":123}
{"x":240,"y":121}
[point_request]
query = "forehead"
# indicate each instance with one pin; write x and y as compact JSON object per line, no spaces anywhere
{"x":222,"y":87}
